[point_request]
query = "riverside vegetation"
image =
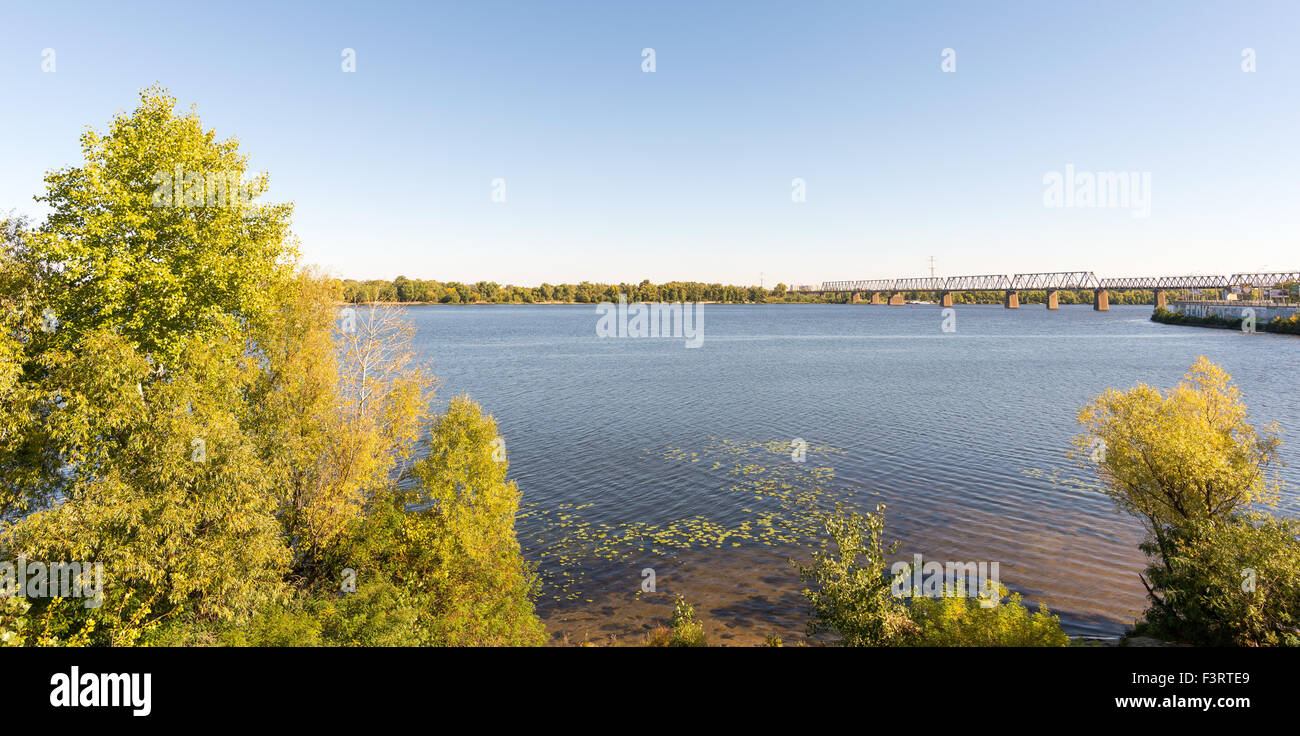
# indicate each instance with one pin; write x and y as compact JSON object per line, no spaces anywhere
{"x":1187,"y":463}
{"x":180,"y":401}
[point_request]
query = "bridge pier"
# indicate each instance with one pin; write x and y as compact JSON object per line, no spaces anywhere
{"x":1012,"y":300}
{"x":1053,"y":301}
{"x":896,"y":299}
{"x":875,"y":298}
{"x":1161,"y":301}
{"x":854,"y":297}
{"x":945,"y":299}
{"x":1101,"y":300}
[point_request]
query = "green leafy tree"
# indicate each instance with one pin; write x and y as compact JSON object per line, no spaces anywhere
{"x":1192,"y":467}
{"x":135,"y":452}
{"x":162,"y":486}
{"x":404,"y":289}
{"x":336,"y":413}
{"x":1187,"y":455}
{"x":179,"y":406}
{"x":483,"y":589}
{"x":29,"y":463}
{"x":134,"y":256}
{"x":449,"y":541}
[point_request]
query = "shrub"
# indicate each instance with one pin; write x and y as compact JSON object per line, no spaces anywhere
{"x":854,"y":598}
{"x":379,"y":614}
{"x":1229,"y":582}
{"x":683,"y":630}
{"x":687,"y":631}
{"x":851,"y":596}
{"x":962,"y":621}
{"x":276,"y":626}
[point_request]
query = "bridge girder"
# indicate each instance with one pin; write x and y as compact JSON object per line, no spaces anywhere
{"x":919,"y":284}
{"x":1264,"y":280}
{"x":986,"y":282}
{"x":1053,"y":280}
{"x":1158,"y":283}
{"x":869,"y":285}
{"x":1131,"y":283}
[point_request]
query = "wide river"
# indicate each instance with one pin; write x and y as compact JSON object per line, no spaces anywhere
{"x":641,"y":454}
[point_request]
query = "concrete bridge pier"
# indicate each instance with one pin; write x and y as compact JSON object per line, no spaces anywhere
{"x":854,"y":297}
{"x":1161,"y":301}
{"x":1012,"y":300}
{"x":945,"y":299}
{"x":1101,"y":300}
{"x":1053,"y":301}
{"x":875,"y":298}
{"x":896,"y":299}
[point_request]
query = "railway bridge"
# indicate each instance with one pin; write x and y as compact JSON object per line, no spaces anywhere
{"x":891,"y":291}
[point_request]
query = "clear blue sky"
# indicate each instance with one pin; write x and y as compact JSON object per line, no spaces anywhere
{"x":613,"y":174}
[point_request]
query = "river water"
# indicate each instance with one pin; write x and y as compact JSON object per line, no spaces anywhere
{"x":641,"y":454}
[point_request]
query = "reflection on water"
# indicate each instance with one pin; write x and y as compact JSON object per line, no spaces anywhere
{"x":639,"y":453}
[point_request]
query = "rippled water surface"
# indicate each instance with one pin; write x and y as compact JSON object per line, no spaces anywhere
{"x":640,"y":453}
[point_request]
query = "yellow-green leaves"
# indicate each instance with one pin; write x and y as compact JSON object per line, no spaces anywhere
{"x":178,"y":406}
{"x":961,"y":621}
{"x":1192,"y":467}
{"x":157,"y":271}
{"x":850,"y":593}
{"x":1190,"y":453}
{"x":1230,"y":582}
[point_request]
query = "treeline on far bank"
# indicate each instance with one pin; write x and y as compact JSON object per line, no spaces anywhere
{"x":419,"y":291}
{"x":427,"y":291}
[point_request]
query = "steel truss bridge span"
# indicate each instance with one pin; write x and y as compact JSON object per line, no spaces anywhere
{"x":983,"y":282}
{"x":1073,"y":280}
{"x":1052,"y":282}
